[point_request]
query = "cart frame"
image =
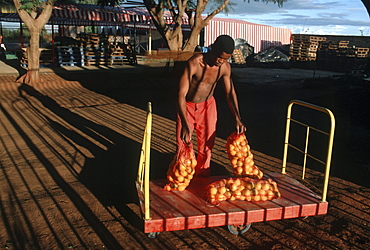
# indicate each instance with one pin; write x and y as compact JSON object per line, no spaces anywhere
{"x":297,"y":200}
{"x":305,"y":153}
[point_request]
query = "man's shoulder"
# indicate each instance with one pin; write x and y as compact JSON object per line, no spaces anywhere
{"x":196,"y":57}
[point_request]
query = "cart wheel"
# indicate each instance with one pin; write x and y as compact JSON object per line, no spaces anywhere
{"x":153,"y":235}
{"x":239,"y":229}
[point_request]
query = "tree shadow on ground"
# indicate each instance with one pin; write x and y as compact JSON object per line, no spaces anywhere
{"x":110,"y":174}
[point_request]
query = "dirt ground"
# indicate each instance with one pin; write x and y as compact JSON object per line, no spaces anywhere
{"x":70,"y":149}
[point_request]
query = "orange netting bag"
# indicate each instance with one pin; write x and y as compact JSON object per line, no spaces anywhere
{"x":241,"y":157}
{"x":181,"y":169}
{"x":245,"y":188}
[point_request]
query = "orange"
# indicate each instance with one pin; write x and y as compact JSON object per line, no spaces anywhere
{"x":180,"y":178}
{"x":183,"y":173}
{"x":227,"y":195}
{"x":176,"y":173}
{"x":182,"y":167}
{"x":213,"y":190}
{"x":234,"y":161}
{"x":193,"y":162}
{"x":246,"y":192}
{"x":266,"y":186}
{"x":220,"y":197}
{"x":239,"y":170}
{"x":233,"y":187}
{"x":264,"y":198}
{"x":256,"y":198}
{"x":222,"y":190}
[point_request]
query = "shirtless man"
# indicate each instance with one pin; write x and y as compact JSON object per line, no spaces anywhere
{"x":196,"y":104}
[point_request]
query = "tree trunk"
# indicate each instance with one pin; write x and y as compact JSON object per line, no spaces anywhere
{"x":34,"y":22}
{"x":33,"y":55}
{"x":174,"y":42}
{"x":193,"y":38}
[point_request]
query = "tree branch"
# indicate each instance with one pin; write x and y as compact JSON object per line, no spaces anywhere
{"x":216,"y":11}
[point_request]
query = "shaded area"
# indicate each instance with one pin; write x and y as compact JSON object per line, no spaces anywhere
{"x":69,"y":155}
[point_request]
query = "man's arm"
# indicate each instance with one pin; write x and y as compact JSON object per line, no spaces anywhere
{"x":232,"y":99}
{"x":184,"y":86}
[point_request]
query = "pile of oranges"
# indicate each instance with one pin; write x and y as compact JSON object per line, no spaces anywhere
{"x":248,"y":184}
{"x":241,"y":157}
{"x":181,"y":170}
{"x":246,"y":188}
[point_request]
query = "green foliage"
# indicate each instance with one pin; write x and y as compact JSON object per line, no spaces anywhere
{"x":32,"y":5}
{"x":94,"y":2}
{"x":13,"y":35}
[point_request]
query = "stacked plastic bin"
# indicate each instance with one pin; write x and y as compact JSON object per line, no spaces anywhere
{"x":70,"y":56}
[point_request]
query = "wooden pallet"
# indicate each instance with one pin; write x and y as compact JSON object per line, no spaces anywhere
{"x":117,"y":56}
{"x":237,"y":57}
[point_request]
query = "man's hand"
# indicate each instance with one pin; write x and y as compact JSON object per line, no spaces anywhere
{"x":185,"y":133}
{"x":240,"y":128}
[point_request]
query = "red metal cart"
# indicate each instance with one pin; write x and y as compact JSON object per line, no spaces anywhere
{"x":171,"y":211}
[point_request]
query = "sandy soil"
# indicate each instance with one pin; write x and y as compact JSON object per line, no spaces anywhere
{"x":70,"y":148}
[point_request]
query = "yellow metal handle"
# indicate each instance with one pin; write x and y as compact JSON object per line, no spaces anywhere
{"x":144,"y":163}
{"x":330,"y":143}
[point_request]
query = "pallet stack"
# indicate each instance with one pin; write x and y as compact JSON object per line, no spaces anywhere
{"x":340,"y":57}
{"x":117,"y":55}
{"x":70,"y":56}
{"x":95,"y":49}
{"x":95,"y":56}
{"x":237,"y":57}
{"x":304,"y":47}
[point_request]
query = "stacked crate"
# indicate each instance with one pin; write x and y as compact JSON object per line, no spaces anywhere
{"x":304,"y":47}
{"x":237,"y":57}
{"x":340,"y":57}
{"x":70,"y":56}
{"x":95,"y":56}
{"x":117,"y":55}
{"x":95,"y":52}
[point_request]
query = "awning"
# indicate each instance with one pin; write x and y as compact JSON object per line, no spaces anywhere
{"x":86,"y":14}
{"x":95,"y":15}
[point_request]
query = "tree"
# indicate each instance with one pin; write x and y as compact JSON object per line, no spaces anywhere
{"x":367,"y":5}
{"x":194,"y":11}
{"x":34,"y":14}
{"x":172,"y":33}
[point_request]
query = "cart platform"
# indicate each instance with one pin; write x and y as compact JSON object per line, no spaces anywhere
{"x":174,"y":210}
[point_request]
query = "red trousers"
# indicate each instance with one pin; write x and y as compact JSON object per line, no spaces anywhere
{"x":203,"y":118}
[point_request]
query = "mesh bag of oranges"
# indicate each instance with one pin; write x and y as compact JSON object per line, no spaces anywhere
{"x":241,"y":157}
{"x":181,"y":169}
{"x":245,"y":188}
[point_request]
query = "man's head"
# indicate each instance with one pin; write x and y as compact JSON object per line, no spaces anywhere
{"x":221,"y":51}
{"x":224,"y":43}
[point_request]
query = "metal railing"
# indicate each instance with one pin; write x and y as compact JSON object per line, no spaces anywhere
{"x":144,"y":163}
{"x":305,"y":153}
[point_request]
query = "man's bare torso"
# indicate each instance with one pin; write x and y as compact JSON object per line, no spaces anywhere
{"x":203,"y":79}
